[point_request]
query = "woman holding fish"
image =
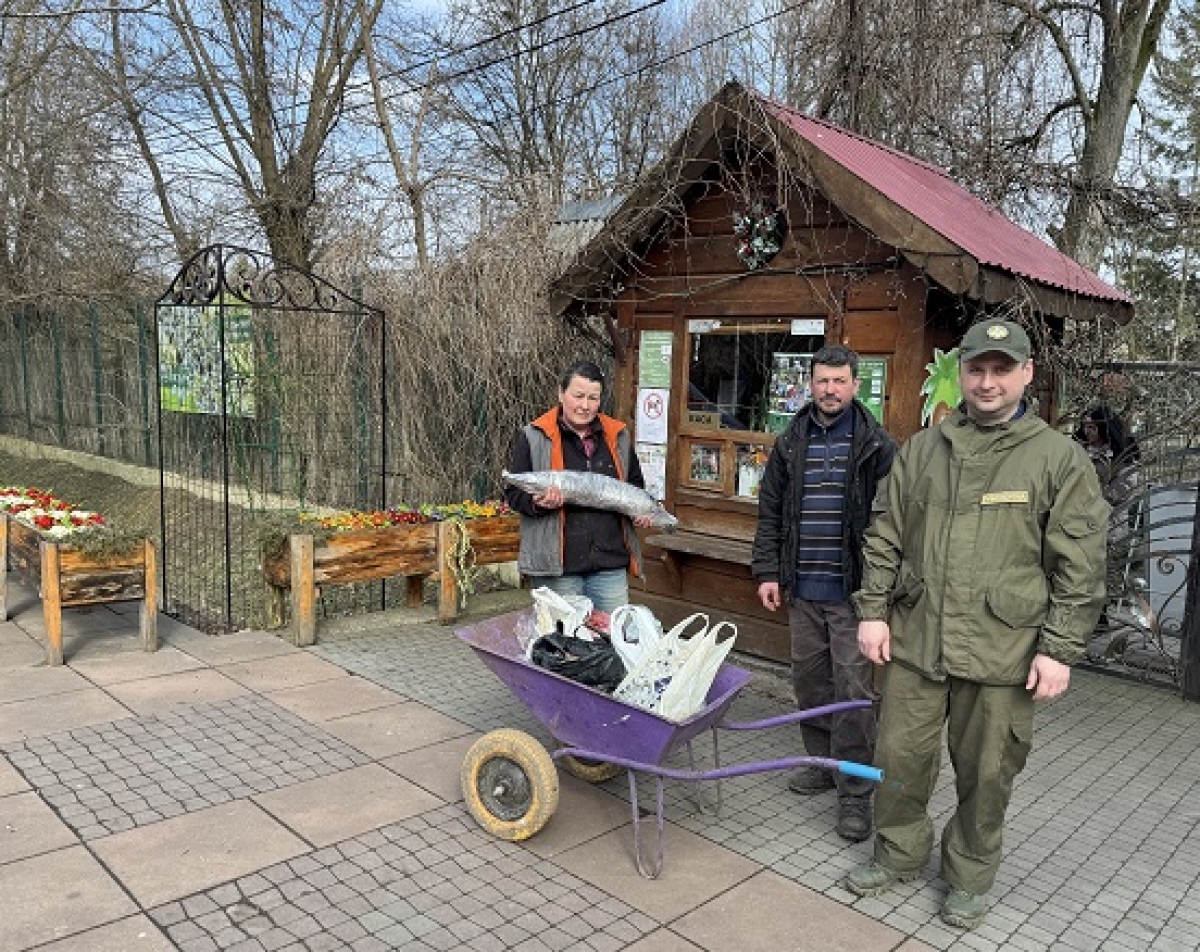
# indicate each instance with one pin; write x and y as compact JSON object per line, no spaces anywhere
{"x":577,"y":549}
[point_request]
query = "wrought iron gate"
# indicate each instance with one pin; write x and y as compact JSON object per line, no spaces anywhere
{"x":1151,"y":627}
{"x":271,"y":399}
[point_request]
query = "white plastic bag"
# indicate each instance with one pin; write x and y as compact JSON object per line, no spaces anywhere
{"x":644,"y":685}
{"x":702,"y":657}
{"x":634,"y":632}
{"x":526,"y":631}
{"x":551,"y":609}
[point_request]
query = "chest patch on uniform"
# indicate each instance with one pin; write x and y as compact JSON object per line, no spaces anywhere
{"x":1008,"y":498}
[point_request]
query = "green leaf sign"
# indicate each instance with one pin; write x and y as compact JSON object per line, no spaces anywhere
{"x":941,"y":387}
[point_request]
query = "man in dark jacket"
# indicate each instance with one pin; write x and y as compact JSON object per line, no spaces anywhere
{"x":813,"y":507}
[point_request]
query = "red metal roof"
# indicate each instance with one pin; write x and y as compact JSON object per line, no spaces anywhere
{"x":929,"y":194}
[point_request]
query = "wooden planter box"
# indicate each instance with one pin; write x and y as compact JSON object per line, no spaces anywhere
{"x":66,"y":577}
{"x":367,"y":555}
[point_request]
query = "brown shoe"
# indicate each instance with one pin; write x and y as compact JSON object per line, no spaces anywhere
{"x":854,"y":819}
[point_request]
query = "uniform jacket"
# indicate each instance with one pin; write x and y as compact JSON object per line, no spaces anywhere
{"x":574,"y":539}
{"x":773,"y":557}
{"x":987,"y":545}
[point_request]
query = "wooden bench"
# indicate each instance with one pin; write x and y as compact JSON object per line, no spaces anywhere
{"x":685,"y":542}
{"x":66,"y":577}
{"x":699,"y":543}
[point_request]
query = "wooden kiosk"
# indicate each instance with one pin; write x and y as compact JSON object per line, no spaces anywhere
{"x":764,"y":235}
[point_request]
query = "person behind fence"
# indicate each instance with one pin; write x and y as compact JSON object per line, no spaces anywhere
{"x":575,"y":550}
{"x":813,"y":505}
{"x":983,"y":578}
{"x":1117,"y":458}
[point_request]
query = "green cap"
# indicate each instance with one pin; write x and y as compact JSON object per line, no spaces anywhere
{"x":1001,"y":337}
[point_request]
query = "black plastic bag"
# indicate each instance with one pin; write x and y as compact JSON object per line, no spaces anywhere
{"x":594,"y":663}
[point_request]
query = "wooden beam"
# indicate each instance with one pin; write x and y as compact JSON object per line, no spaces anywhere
{"x":148,"y":625}
{"x":304,"y":591}
{"x":448,"y":589}
{"x":4,"y":567}
{"x":52,"y":601}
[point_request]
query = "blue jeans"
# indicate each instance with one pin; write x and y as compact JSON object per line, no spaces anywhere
{"x":606,"y":589}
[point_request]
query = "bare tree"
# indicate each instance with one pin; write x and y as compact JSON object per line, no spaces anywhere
{"x":63,"y":228}
{"x":1103,"y":89}
{"x":271,"y":80}
{"x":406,"y":164}
{"x":555,"y":102}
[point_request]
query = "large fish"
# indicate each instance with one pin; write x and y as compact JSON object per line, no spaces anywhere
{"x":596,"y":491}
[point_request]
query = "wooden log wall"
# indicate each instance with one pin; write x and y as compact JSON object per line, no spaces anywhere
{"x":412,"y":552}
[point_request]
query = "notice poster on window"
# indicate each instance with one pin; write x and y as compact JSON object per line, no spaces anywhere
{"x":788,"y":390}
{"x":872,"y":384}
{"x":652,"y":415}
{"x":653,"y":458}
{"x":654,"y":359}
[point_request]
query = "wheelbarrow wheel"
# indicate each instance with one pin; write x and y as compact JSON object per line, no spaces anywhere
{"x":587,"y":770}
{"x":510,"y":784}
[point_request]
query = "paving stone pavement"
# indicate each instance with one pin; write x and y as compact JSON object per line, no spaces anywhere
{"x":117,"y":776}
{"x":234,"y":792}
{"x":1102,"y":840}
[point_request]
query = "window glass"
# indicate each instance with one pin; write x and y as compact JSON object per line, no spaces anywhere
{"x":747,"y":376}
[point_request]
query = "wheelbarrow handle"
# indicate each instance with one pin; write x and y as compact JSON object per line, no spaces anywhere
{"x":848,"y":767}
{"x":852,"y":769}
{"x":794,"y":717}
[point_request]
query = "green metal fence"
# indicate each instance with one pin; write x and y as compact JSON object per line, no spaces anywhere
{"x":80,"y":378}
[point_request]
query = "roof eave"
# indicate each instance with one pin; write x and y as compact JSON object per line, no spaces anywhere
{"x":646,"y":207}
{"x":596,"y":270}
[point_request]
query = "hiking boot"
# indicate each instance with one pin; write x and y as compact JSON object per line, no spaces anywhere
{"x":874,"y":878}
{"x":810,"y":780}
{"x":854,"y":818}
{"x":963,"y":910}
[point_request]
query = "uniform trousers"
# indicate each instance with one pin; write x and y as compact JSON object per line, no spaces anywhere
{"x":989,"y":734}
{"x":827,"y":667}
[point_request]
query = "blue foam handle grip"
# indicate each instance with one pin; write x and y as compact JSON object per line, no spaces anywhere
{"x":851,"y":769}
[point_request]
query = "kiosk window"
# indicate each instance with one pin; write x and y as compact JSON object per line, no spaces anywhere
{"x":747,"y":376}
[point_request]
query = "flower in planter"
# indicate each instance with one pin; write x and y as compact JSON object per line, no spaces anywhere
{"x":467,"y":509}
{"x":403,"y":515}
{"x":15,"y":500}
{"x":60,"y":523}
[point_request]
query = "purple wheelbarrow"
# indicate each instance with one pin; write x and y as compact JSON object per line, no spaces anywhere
{"x":509,"y":780}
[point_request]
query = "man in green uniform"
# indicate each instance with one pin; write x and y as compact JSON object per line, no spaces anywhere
{"x":984,"y":576}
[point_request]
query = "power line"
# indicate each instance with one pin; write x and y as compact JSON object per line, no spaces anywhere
{"x":462,"y":73}
{"x":481,"y":67}
{"x":504,"y":34}
{"x":478,"y":68}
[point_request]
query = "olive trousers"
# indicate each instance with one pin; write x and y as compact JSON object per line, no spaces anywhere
{"x":989,"y":734}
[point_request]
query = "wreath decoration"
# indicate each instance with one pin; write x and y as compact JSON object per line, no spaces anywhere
{"x":759,"y":231}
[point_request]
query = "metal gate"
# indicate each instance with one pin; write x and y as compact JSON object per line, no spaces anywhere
{"x":271,"y":400}
{"x":1151,"y":626}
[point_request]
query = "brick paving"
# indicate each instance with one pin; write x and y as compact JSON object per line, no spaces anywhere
{"x":102,"y":780}
{"x":1102,"y":850}
{"x":1102,"y":841}
{"x":434,"y":882}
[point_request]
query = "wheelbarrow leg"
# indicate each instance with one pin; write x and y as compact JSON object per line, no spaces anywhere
{"x":655,"y":869}
{"x":696,"y":792}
